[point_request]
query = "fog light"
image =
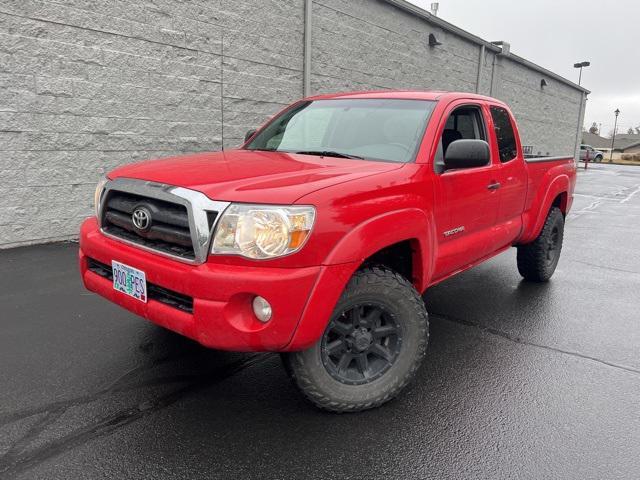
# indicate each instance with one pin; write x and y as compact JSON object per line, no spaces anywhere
{"x":262,"y":309}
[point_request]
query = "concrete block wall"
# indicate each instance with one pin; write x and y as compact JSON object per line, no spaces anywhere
{"x":547,"y":116}
{"x":371,"y":44}
{"x":88,"y":85}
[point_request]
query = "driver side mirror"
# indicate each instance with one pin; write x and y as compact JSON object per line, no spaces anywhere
{"x":467,"y":153}
{"x":249,"y":134}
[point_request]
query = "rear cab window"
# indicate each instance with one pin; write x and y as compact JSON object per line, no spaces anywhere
{"x":505,"y":135}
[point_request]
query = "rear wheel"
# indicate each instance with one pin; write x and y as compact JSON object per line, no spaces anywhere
{"x":372,"y":347}
{"x":538,"y":260}
{"x":598,"y":158}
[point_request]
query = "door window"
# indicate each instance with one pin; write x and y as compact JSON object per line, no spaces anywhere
{"x":463,"y":123}
{"x":504,"y":134}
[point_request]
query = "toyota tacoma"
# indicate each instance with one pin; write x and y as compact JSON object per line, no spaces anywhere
{"x":317,"y":237}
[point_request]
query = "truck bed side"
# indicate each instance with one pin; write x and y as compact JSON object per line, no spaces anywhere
{"x":551,"y":181}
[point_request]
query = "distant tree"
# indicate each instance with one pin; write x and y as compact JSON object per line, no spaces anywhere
{"x":630,"y":131}
{"x":638,"y":130}
{"x":593,"y":128}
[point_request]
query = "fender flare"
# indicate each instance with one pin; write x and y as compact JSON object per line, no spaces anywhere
{"x":347,"y":256}
{"x":540,"y":206}
{"x":384,"y":230}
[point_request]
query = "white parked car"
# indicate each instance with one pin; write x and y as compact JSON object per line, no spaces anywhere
{"x":594,"y":155}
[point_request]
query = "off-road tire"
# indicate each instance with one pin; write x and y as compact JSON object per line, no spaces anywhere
{"x":538,"y":260}
{"x":400,"y":300}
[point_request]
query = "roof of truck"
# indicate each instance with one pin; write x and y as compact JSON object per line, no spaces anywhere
{"x":404,"y":95}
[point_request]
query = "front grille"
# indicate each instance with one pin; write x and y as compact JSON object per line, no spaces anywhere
{"x":154,"y":292}
{"x":165,"y":219}
{"x":169,"y":230}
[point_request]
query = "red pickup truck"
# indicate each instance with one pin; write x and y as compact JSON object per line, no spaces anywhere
{"x":318,"y":236}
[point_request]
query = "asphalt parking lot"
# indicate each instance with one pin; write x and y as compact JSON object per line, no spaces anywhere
{"x":520,"y":380}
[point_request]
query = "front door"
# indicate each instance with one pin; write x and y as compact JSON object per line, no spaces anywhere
{"x":467,"y":200}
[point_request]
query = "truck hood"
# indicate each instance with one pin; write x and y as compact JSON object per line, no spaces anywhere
{"x":253,"y":176}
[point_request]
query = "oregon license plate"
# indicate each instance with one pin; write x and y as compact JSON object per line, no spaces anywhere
{"x":129,"y":281}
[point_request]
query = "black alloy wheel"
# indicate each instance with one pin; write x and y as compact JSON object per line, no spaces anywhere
{"x":361,"y":344}
{"x":553,"y":244}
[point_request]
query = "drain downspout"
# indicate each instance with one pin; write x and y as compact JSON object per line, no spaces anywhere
{"x":480,"y":68}
{"x":306,"y":60}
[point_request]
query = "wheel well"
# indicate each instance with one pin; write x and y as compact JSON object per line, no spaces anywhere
{"x":400,"y":257}
{"x":561,"y":202}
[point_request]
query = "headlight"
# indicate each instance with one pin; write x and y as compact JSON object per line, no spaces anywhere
{"x":262,"y":231}
{"x":98,"y":194}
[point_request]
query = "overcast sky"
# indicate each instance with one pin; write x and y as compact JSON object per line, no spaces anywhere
{"x":556,"y":34}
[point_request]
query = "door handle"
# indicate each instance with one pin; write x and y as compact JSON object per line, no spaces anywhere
{"x":493,"y":186}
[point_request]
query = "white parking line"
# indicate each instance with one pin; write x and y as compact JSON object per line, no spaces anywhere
{"x":628,"y":197}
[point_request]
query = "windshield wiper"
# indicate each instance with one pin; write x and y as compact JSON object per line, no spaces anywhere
{"x":329,"y":153}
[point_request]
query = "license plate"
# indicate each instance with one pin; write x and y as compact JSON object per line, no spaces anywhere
{"x":129,"y":281}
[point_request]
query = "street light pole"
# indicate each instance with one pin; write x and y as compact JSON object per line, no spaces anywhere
{"x":613,"y":137}
{"x":580,"y":65}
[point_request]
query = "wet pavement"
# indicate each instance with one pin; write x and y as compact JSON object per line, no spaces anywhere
{"x":520,"y":380}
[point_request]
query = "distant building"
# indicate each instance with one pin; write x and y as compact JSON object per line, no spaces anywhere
{"x":596,"y":141}
{"x":624,"y":143}
{"x":632,"y":148}
{"x":627,"y":143}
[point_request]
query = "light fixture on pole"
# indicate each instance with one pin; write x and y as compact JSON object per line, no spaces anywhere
{"x":581,"y":65}
{"x":613,"y":137}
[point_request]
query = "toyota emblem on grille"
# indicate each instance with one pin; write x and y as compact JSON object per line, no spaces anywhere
{"x":141,"y":218}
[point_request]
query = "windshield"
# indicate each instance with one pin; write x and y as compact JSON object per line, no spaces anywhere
{"x":375,"y":129}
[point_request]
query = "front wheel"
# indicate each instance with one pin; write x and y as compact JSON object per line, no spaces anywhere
{"x":538,"y":260}
{"x":371,"y":349}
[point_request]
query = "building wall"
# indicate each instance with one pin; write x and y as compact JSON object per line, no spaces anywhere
{"x":547,"y":116}
{"x":86,"y":86}
{"x":371,"y":44}
{"x":635,"y":149}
